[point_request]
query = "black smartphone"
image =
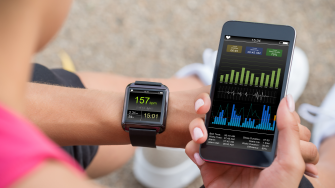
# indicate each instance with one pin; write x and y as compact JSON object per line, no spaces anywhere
{"x":250,"y":78}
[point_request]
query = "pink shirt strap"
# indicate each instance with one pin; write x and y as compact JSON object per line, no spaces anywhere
{"x":23,"y":147}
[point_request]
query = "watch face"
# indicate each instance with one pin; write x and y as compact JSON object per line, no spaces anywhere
{"x":144,"y":105}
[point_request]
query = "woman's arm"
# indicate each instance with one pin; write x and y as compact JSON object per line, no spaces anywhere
{"x":54,"y":174}
{"x":73,"y":116}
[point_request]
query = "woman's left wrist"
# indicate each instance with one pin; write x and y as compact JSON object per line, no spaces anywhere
{"x":180,"y":113}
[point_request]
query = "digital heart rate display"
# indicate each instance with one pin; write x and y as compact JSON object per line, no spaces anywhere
{"x":247,"y":93}
{"x":144,"y":105}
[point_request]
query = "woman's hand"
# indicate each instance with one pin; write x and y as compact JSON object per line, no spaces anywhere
{"x":295,"y":154}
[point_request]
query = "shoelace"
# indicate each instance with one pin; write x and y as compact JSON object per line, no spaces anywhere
{"x":308,"y":112}
{"x":311,"y":113}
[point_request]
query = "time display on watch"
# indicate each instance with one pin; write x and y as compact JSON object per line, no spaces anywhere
{"x":144,"y":105}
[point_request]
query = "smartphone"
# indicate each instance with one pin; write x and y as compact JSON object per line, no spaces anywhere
{"x":250,"y":78}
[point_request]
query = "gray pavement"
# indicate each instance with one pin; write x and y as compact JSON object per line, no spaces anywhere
{"x":147,"y":38}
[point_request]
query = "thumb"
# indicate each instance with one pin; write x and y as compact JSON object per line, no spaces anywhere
{"x":288,"y":136}
{"x":288,"y":167}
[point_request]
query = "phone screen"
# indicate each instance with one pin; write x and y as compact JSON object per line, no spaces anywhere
{"x":247,"y":93}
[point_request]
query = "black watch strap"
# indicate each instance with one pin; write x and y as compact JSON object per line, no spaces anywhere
{"x":143,"y":137}
{"x":148,"y":83}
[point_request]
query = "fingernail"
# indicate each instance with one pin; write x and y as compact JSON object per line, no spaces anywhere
{"x":290,"y":102}
{"x":311,"y":170}
{"x":309,"y":174}
{"x":197,"y":133}
{"x":198,"y":159}
{"x":199,"y":103}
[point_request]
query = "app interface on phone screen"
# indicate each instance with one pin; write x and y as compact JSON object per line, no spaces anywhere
{"x":247,"y":93}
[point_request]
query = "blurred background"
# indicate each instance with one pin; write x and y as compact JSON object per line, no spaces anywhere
{"x":147,"y":38}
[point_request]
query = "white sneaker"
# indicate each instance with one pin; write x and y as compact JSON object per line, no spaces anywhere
{"x":164,"y":167}
{"x":297,"y":81}
{"x":322,"y":117}
{"x":203,"y":70}
{"x":299,"y":74}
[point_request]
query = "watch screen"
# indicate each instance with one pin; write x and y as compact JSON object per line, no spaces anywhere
{"x":247,"y":93}
{"x":144,"y":105}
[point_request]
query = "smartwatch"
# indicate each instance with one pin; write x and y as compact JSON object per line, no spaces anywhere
{"x":144,"y":112}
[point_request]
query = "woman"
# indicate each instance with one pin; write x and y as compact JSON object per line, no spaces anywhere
{"x":30,"y":159}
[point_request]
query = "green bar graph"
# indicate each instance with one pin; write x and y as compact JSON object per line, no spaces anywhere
{"x":272,"y":79}
{"x":227,"y":77}
{"x":247,"y":78}
{"x":232,"y":76}
{"x":252,"y":79}
{"x":236,"y":78}
{"x":221,"y":78}
{"x":267,"y":80}
{"x":277,"y":79}
{"x":256,"y":81}
{"x":262,"y":80}
{"x":242,"y":75}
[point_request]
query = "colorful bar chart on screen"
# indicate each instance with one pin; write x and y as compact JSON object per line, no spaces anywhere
{"x":236,"y":120}
{"x":249,"y":81}
{"x":248,"y":78}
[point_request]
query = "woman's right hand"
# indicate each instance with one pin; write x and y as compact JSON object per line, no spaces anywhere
{"x":295,"y":155}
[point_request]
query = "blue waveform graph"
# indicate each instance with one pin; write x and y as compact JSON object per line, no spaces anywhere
{"x":236,"y":119}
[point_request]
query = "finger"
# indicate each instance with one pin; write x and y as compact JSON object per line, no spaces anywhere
{"x":202,"y":103}
{"x":304,"y":132}
{"x":192,"y":151}
{"x":309,"y":152}
{"x":198,"y":130}
{"x":296,"y":117}
{"x":311,"y":170}
{"x":288,"y":152}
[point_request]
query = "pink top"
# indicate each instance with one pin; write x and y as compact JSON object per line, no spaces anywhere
{"x":23,"y":147}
